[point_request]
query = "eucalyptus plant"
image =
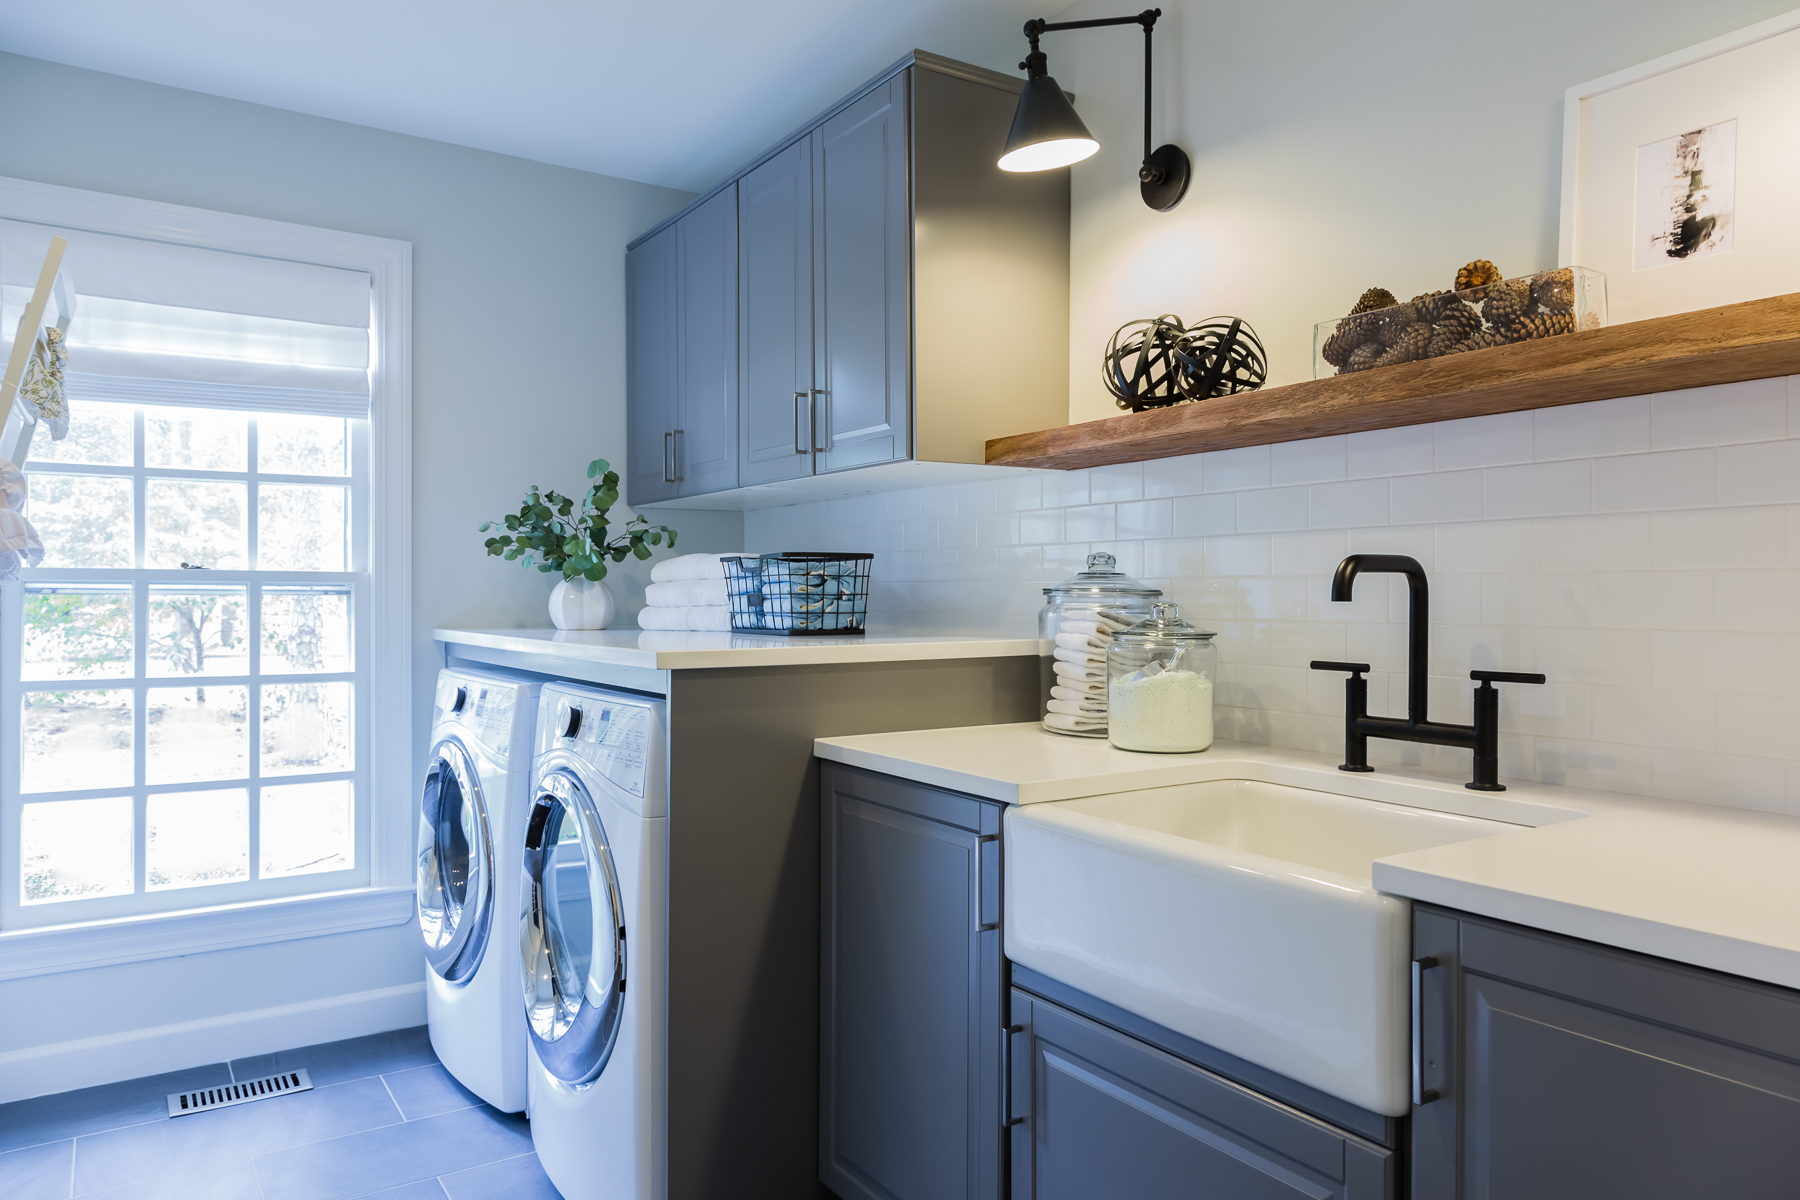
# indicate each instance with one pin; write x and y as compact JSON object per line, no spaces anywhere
{"x":552,"y":534}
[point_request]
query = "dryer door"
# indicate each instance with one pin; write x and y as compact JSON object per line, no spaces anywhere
{"x":573,"y":935}
{"x":456,"y":857}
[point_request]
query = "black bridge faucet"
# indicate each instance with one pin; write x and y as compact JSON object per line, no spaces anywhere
{"x":1483,"y":737}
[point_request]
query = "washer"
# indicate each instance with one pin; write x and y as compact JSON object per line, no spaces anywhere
{"x":472,"y":811}
{"x":591,"y":939}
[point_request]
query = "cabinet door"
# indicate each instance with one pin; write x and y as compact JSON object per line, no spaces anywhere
{"x":910,"y":1053}
{"x":863,"y":269}
{"x":1099,"y":1113}
{"x":775,"y":318}
{"x":705,"y":442}
{"x":651,"y":368}
{"x":1584,"y":1072}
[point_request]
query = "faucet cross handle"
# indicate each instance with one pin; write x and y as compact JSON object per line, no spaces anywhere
{"x":1505,"y":677}
{"x":1357,"y":670}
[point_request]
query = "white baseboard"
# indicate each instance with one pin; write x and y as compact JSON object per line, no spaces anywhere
{"x":113,"y":1057}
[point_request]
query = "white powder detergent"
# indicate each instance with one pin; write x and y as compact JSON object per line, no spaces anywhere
{"x":1170,"y":712}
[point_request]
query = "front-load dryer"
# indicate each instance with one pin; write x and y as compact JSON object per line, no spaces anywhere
{"x":591,"y":943}
{"x":472,"y":812}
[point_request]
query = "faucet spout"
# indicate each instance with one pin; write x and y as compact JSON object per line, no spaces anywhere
{"x":1418,"y":620}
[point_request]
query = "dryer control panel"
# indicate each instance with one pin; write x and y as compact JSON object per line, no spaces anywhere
{"x":615,"y":737}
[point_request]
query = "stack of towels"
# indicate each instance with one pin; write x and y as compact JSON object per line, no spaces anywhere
{"x":1077,"y":701}
{"x":687,"y":592}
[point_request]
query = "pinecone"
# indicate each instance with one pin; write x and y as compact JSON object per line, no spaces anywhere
{"x":1373,"y":299}
{"x":1394,"y":322}
{"x":1342,"y":343}
{"x":1481,"y":339}
{"x":1454,"y":314}
{"x":1445,"y":339}
{"x":1555,"y":290}
{"x":1543,"y":325}
{"x":1479,"y":273}
{"x":1363,"y":358}
{"x":1506,"y":303}
{"x":1428,"y":305}
{"x":1410,"y":345}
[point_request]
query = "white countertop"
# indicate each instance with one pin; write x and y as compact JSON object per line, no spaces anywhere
{"x":1714,"y":887}
{"x":673,"y":650}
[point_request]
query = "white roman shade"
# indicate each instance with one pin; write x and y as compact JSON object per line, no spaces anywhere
{"x":161,"y":323}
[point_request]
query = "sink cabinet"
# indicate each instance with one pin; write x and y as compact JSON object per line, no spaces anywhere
{"x":1567,"y":1070}
{"x":911,"y":991}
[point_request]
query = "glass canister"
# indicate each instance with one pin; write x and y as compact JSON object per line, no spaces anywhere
{"x":1159,"y":684}
{"x":1079,"y":617}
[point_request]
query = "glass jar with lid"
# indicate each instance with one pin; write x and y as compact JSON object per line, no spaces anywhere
{"x":1159,"y":684}
{"x":1079,"y":615}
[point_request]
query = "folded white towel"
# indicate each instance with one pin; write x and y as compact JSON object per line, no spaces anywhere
{"x":1077,"y":708}
{"x":686,"y":593}
{"x":1066,"y":670}
{"x":1068,"y":689}
{"x":714,"y":617}
{"x":1073,"y":724}
{"x":1081,"y":658}
{"x":1082,"y":641}
{"x":1107,"y":622}
{"x":689,"y":566}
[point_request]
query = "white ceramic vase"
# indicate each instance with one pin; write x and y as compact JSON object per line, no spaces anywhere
{"x":580,"y":604}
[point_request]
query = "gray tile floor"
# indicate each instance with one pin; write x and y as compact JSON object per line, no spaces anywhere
{"x":384,"y":1119}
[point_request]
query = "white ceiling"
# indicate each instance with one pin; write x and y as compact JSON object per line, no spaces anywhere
{"x":675,"y":94}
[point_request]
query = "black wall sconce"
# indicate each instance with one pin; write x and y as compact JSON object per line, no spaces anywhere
{"x":1046,"y":132}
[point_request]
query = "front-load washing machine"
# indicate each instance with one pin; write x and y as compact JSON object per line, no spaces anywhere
{"x":591,"y":943}
{"x":472,"y":812}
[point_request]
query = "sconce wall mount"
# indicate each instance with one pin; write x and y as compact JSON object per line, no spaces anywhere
{"x":1047,"y":133}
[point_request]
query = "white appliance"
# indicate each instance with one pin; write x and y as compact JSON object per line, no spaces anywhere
{"x":472,"y":810}
{"x":592,"y":943}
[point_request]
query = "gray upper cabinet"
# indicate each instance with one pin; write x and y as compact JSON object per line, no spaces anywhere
{"x":1563,"y":1070}
{"x":775,"y":317}
{"x":651,"y":367}
{"x":861,"y":268}
{"x":896,"y":296}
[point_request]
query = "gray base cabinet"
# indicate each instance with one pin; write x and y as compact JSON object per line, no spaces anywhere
{"x":911,"y":992}
{"x":1097,"y":1113}
{"x":1568,"y":1071}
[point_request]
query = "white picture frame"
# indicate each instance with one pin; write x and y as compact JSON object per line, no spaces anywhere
{"x":1730,"y":105}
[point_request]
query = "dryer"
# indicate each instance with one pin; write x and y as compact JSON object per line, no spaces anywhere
{"x":591,"y":940}
{"x":472,"y":811}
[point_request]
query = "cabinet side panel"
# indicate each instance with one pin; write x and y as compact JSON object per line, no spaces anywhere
{"x":991,"y":276}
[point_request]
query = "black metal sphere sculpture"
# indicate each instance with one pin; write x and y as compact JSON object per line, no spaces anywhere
{"x":1159,"y":362}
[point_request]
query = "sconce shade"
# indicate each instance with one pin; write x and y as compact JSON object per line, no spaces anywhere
{"x":1046,"y":132}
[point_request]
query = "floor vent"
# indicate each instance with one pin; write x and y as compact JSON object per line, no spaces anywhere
{"x":206,"y":1099}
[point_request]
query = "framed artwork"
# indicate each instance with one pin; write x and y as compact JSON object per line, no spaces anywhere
{"x":1681,"y":176}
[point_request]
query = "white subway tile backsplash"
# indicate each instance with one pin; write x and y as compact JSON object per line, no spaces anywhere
{"x":918,"y":535}
{"x":1537,"y":598}
{"x":1604,"y":427}
{"x":1043,"y":526}
{"x":1090,"y":523}
{"x":1638,"y":482}
{"x":1316,"y":552}
{"x":1245,"y":554}
{"x":997,"y":529}
{"x":1368,"y":599}
{"x":956,"y":533}
{"x":973,"y":499}
{"x":1759,"y":600}
{"x":1272,"y":598}
{"x":1486,"y":546}
{"x":1242,"y":641}
{"x":1122,"y":482}
{"x":1204,"y":601}
{"x":1606,"y":768}
{"x":1722,"y":661}
{"x":1064,"y":560}
{"x":1455,"y":600}
{"x":1175,"y":558}
{"x":1762,"y":473}
{"x":1730,"y":780}
{"x":1269,"y":509}
{"x":1551,"y":489}
{"x":1316,"y":460}
{"x":1653,"y":599}
{"x":1439,"y":496}
{"x":1197,"y":516}
{"x":1019,"y":491}
{"x":1355,"y":503}
{"x":1172,"y":476}
{"x":1763,"y":726}
{"x":1600,"y":543}
{"x":1719,"y":537}
{"x":1617,"y":656}
{"x":1719,"y":415}
{"x":1682,"y":720}
{"x":1296,"y":643}
{"x":1387,"y":452}
{"x":1483,"y":441}
{"x":1415,"y":541}
{"x":1234,"y":470}
{"x":1060,"y":489}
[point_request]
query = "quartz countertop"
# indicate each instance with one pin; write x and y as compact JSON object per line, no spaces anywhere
{"x":674,"y":650}
{"x":1712,"y":887}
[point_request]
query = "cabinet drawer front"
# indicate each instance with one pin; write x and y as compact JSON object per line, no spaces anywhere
{"x":1112,"y":1116}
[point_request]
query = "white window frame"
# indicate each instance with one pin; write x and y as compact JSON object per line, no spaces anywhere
{"x":383,"y":638}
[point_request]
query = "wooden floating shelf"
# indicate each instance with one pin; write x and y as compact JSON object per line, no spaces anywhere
{"x":1754,"y":340}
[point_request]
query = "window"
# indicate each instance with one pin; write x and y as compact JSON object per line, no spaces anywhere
{"x":193,"y":676}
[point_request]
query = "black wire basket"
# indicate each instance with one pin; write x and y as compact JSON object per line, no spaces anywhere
{"x":798,"y":594}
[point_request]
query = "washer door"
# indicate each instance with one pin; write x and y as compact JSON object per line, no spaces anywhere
{"x":573,"y":933}
{"x":456,"y":865}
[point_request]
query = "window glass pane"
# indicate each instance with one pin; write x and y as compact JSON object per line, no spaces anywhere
{"x":306,"y":727}
{"x":76,"y":633}
{"x":195,"y":734}
{"x":288,"y":444}
{"x":307,"y":828}
{"x":300,"y":528}
{"x":100,"y":434}
{"x":202,"y":439}
{"x":197,"y":631}
{"x":195,"y":838}
{"x":200,"y":524}
{"x":84,"y":520}
{"x":76,"y":740}
{"x":75,"y":849}
{"x":305,"y":630}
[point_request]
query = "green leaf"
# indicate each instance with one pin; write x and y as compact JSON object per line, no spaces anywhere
{"x":484,"y":527}
{"x":598,"y":467}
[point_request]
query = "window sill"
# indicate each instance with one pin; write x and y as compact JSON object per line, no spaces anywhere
{"x":46,"y":951}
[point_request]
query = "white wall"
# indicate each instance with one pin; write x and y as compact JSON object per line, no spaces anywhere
{"x":1644,"y":553}
{"x":518,"y":368}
